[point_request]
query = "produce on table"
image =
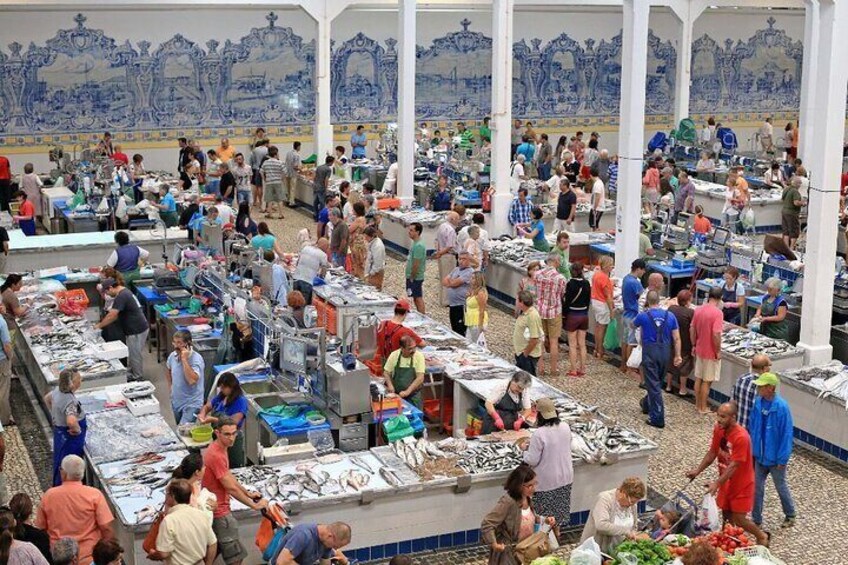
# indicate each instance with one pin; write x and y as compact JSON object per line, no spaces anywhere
{"x":549,"y":560}
{"x":727,"y":539}
{"x":646,"y":552}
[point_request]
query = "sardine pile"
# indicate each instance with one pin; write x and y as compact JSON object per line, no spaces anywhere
{"x":490,"y":458}
{"x":822,"y":372}
{"x":746,"y":344}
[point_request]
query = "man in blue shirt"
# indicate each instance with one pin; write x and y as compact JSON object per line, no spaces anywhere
{"x":745,"y":391}
{"x":631,"y":290}
{"x":308,"y":544}
{"x":659,"y":330}
{"x":184,"y":373}
{"x":519,"y":210}
{"x":358,"y":142}
{"x":770,"y":428}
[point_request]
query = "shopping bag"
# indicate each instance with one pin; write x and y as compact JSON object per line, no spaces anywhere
{"x":481,"y":341}
{"x":587,"y":553}
{"x":611,"y":337}
{"x":532,"y":547}
{"x":272,"y":529}
{"x":709,"y":518}
{"x":748,"y":220}
{"x":635,"y":359}
{"x":149,"y":543}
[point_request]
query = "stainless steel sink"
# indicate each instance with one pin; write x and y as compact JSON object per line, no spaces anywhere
{"x":252,"y":428}
{"x":266,"y":401}
{"x":257,"y":388}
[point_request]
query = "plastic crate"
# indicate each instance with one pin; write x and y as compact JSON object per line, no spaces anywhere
{"x":758,"y":551}
{"x":76,"y":296}
{"x":330,"y":323}
{"x":787,"y":275}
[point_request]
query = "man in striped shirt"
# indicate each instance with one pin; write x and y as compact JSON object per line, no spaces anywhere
{"x":745,"y":391}
{"x":272,"y":181}
{"x":550,"y":287}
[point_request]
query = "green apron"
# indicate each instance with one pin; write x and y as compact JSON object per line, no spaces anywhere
{"x":541,"y":245}
{"x":776,"y":330}
{"x":402,"y":377}
{"x":235,"y":453}
{"x":170,"y":218}
{"x":130,"y":276}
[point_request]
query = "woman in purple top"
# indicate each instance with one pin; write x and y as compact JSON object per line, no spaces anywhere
{"x":549,"y":454}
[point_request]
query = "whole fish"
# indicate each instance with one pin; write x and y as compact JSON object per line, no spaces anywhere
{"x":318,"y":477}
{"x":390,"y":477}
{"x":272,"y":489}
{"x":361,"y":464}
{"x":309,"y":484}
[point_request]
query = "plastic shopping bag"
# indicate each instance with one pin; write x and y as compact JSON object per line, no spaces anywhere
{"x":635,"y":359}
{"x":481,"y":341}
{"x":747,"y":219}
{"x":587,"y":553}
{"x":611,"y":337}
{"x":709,"y":519}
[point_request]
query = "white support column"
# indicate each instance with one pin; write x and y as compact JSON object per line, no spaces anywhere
{"x":406,"y":101}
{"x":828,"y":128}
{"x":631,"y":136}
{"x":323,"y":133}
{"x":501,"y":124}
{"x":687,"y":13}
{"x":809,"y":72}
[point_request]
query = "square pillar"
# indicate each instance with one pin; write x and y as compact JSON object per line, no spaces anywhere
{"x":501,"y":123}
{"x":406,"y":101}
{"x":809,"y":70}
{"x":827,"y":113}
{"x":631,"y":136}
{"x":323,"y":133}
{"x":687,"y":14}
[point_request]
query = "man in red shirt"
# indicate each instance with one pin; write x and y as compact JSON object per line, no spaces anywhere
{"x":705,"y":333}
{"x":5,"y":183}
{"x":390,"y":331}
{"x":734,"y":488}
{"x":219,"y":480}
{"x":120,"y":157}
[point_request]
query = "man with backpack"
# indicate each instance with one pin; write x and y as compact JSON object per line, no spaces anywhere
{"x":390,"y":331}
{"x":659,"y":330}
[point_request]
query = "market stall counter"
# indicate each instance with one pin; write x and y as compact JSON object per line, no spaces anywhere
{"x":765,"y":202}
{"x":395,"y":224}
{"x":81,"y":250}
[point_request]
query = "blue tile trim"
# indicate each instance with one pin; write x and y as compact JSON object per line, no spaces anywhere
{"x":443,"y":541}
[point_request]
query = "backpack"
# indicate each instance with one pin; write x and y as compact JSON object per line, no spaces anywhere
{"x":727,"y":139}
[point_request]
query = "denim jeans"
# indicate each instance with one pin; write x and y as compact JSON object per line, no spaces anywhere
{"x":778,"y":476}
{"x":185,"y":414}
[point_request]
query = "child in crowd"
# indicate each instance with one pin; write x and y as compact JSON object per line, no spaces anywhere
{"x":665,"y":520}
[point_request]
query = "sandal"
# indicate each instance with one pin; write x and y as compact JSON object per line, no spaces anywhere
{"x":573,"y":374}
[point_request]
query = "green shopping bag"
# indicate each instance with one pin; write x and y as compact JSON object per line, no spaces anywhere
{"x":611,"y":337}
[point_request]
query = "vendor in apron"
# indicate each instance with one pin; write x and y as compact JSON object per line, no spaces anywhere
{"x":68,"y":416}
{"x":508,"y":407}
{"x":772,"y":311}
{"x":229,"y":401}
{"x":167,"y":206}
{"x":404,"y":371}
{"x":732,"y":296}
{"x":127,"y":257}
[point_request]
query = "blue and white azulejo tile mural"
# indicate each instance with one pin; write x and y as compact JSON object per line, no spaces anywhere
{"x":83,"y":80}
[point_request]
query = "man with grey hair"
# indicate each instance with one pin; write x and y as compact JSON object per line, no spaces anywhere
{"x":456,"y":288}
{"x":517,"y":173}
{"x":446,"y":247}
{"x":602,"y":163}
{"x":75,"y":510}
{"x":339,"y":238}
{"x":550,"y":288}
{"x":185,"y":534}
{"x":659,"y":330}
{"x":65,"y":551}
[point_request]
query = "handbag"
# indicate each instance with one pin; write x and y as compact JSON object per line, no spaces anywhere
{"x":149,"y":543}
{"x":532,"y":547}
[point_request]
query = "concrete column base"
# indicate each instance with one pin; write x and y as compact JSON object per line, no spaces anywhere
{"x":406,"y":200}
{"x":816,"y":354}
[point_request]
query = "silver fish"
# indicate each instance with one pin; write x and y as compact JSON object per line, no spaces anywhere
{"x":361,"y":463}
{"x":318,"y":477}
{"x":272,"y":489}
{"x":390,"y":477}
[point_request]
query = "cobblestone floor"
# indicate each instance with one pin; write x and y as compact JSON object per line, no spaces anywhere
{"x":819,"y":486}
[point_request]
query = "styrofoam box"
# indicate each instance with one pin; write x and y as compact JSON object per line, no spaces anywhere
{"x":111,"y":350}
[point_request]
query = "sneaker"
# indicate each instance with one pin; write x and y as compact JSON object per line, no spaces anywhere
{"x":788,"y":522}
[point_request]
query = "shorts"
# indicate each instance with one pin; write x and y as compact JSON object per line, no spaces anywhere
{"x":740,"y":501}
{"x":576,"y":321}
{"x":595,"y":218}
{"x":708,"y":370}
{"x":414,"y":289}
{"x":685,"y":368}
{"x":274,"y":192}
{"x":229,"y":545}
{"x":600,"y":312}
{"x":629,"y":335}
{"x":257,"y":178}
{"x":552,"y":327}
{"x":790,"y":225}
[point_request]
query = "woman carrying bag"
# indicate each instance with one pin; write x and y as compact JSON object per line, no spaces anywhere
{"x":512,"y":520}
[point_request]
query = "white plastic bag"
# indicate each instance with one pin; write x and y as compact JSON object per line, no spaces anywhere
{"x":709,"y":518}
{"x":748,"y":220}
{"x":635,"y":359}
{"x":481,"y":340}
{"x":587,"y":553}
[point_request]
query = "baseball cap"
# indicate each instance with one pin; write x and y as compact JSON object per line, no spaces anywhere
{"x":107,"y":283}
{"x":767,"y":379}
{"x":545,"y":407}
{"x":403,"y":305}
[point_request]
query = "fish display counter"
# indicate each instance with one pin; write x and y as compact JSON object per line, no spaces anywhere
{"x":765,"y":202}
{"x":738,"y":347}
{"x":343,"y":298}
{"x":395,"y":224}
{"x":51,"y":341}
{"x":81,"y":250}
{"x":508,"y":260}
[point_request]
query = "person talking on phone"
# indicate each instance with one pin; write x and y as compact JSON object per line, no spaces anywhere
{"x":184,"y":374}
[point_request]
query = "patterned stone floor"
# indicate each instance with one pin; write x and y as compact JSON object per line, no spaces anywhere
{"x":820,"y":487}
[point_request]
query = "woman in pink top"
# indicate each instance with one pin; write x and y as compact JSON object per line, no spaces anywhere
{"x":651,"y":183}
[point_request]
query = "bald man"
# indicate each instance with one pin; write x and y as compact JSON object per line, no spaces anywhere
{"x":308,"y":544}
{"x":734,"y":488}
{"x":446,"y":251}
{"x":655,"y":283}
